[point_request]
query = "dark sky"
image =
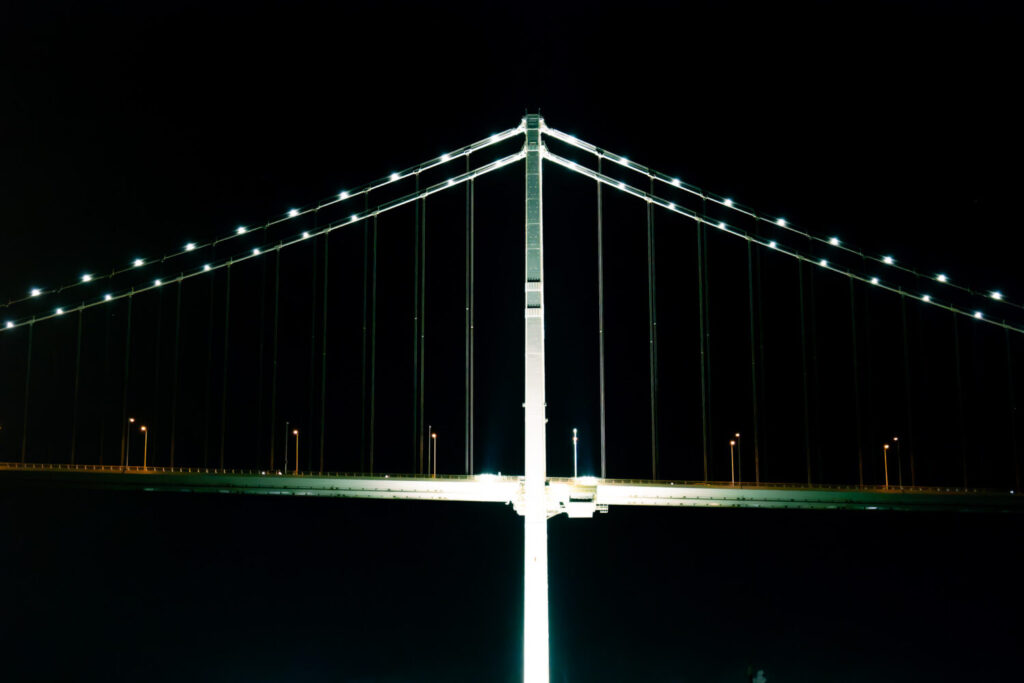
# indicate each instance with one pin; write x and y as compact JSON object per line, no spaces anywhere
{"x":128,"y":130}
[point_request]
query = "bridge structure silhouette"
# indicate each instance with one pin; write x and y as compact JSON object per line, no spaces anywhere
{"x":277,"y":370}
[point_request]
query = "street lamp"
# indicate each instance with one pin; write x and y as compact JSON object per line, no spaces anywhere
{"x":732,"y":462}
{"x":145,"y":444}
{"x":575,"y":454}
{"x":128,"y":447}
{"x":885,"y":462}
{"x":433,"y":438}
{"x":295,"y":432}
{"x":899,"y":461}
{"x":739,"y":458}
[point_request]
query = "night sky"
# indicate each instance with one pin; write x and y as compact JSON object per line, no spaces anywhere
{"x":129,"y":130}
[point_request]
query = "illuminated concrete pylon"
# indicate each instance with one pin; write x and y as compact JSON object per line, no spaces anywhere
{"x":535,"y":508}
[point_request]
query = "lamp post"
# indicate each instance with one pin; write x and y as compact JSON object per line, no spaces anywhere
{"x":739,"y":458}
{"x":899,"y":462}
{"x":128,"y":446}
{"x":145,"y":444}
{"x":732,"y":461}
{"x":295,"y":432}
{"x":433,"y":439}
{"x":575,"y":454}
{"x":885,"y":463}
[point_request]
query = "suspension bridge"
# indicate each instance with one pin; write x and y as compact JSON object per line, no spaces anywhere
{"x":848,"y":380}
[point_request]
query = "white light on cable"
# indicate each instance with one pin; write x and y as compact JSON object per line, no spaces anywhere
{"x":834,"y":241}
{"x":343,"y":195}
{"x":451,"y":181}
{"x":59,"y":311}
{"x":36,"y":291}
{"x":823,"y":263}
{"x":997,"y":295}
{"x":158,"y":283}
{"x":874,"y":280}
{"x":727,"y":202}
{"x":445,"y":157}
{"x":190,"y":246}
{"x":87,"y":278}
{"x":622,"y":186}
{"x":888,"y":260}
{"x":138,"y":263}
{"x":107,"y":297}
{"x":292,"y":213}
{"x":671,"y":206}
{"x":256,"y":251}
{"x":206,"y":267}
{"x":941,"y":277}
{"x":926,"y":298}
{"x":675,"y":181}
{"x":624,"y":161}
{"x":305,"y":234}
{"x":240,"y":230}
{"x":9,"y":324}
{"x":394,"y":176}
{"x":978,"y":315}
{"x":353,"y":217}
{"x":721,"y":226}
{"x":772,"y":244}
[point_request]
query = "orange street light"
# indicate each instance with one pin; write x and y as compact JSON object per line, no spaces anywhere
{"x":145,"y":444}
{"x":295,"y":432}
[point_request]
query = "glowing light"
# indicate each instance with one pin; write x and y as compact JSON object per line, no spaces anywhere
{"x":671,"y":206}
{"x":305,"y":234}
{"x":87,"y":278}
{"x":926,"y":297}
{"x":343,"y":195}
{"x":190,"y":246}
{"x":823,"y":263}
{"x":354,"y":217}
{"x":107,"y":297}
{"x":624,"y":161}
{"x":292,"y":213}
{"x":158,"y":283}
{"x":240,"y":230}
{"x":998,"y":296}
{"x":395,"y":176}
{"x":721,"y":226}
{"x":781,"y":222}
{"x":772,"y":245}
{"x":36,"y":291}
{"x":941,"y":277}
{"x":138,"y":263}
{"x":256,"y":251}
{"x":445,"y":157}
{"x":978,"y":315}
{"x":834,"y":241}
{"x":59,"y":311}
{"x":727,"y":202}
{"x":451,"y":181}
{"x":206,"y":267}
{"x":675,"y":181}
{"x":874,"y":280}
{"x":622,"y":186}
{"x":9,"y":324}
{"x":888,"y":260}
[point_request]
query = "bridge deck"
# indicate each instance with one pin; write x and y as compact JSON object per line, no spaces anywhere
{"x":577,"y":497}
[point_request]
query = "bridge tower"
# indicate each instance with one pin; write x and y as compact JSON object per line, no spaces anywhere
{"x":535,"y":509}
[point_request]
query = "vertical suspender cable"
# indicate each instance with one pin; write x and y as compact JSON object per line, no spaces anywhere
{"x":312,"y":356}
{"x":417,"y":453}
{"x":960,"y":397}
{"x":1013,"y":410}
{"x":362,"y":353}
{"x":867,"y":363}
{"x":472,"y":324}
{"x":273,"y":372}
{"x":174,"y":379}
{"x":224,"y":373}
{"x":78,"y":364}
{"x":910,"y":392}
{"x":600,"y":317}
{"x":423,"y":322}
{"x":28,"y":380}
{"x":467,"y":438}
{"x":763,"y":446}
{"x":815,"y":380}
{"x":803,"y":364}
{"x":323,"y":348}
{"x":856,"y":387}
{"x":156,"y":374}
{"x":373,"y":348}
{"x":209,"y":375}
{"x":259,"y":431}
{"x":124,"y":386}
{"x":703,"y":341}
{"x":753,"y":362}
{"x":652,"y":332}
